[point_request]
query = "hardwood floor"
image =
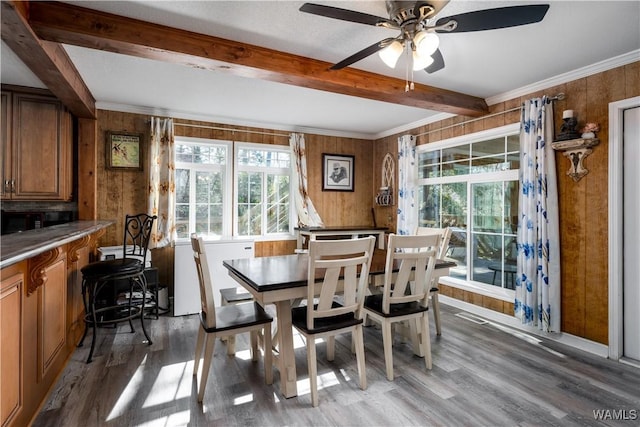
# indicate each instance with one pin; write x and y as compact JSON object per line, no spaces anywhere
{"x":483,"y":375}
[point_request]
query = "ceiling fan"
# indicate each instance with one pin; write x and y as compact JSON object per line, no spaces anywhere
{"x":415,"y":20}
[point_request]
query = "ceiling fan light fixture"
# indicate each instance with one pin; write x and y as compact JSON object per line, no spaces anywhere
{"x":426,"y":42}
{"x":391,"y":53}
{"x":420,"y":62}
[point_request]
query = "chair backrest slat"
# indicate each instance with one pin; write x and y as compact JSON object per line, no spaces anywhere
{"x":207,"y":302}
{"x":345,"y":266}
{"x":414,"y":257}
{"x":137,"y":234}
{"x":445,"y":236}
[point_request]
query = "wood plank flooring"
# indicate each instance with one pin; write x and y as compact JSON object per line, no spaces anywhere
{"x":483,"y":375}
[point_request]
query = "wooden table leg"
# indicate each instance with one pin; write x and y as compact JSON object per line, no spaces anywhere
{"x":286,"y":358}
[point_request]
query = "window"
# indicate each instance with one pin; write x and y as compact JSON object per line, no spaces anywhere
{"x":206,"y":185}
{"x":470,"y":184}
{"x":263,"y":181}
{"x":202,"y":187}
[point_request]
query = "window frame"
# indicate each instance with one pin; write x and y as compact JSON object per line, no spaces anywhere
{"x":196,"y":167}
{"x":470,"y":179}
{"x":237,"y":168}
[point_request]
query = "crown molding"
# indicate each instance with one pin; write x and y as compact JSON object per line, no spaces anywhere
{"x":413,"y":125}
{"x":153,"y":111}
{"x":598,"y":67}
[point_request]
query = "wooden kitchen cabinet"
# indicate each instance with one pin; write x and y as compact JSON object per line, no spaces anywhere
{"x":11,"y":348}
{"x":37,"y":147}
{"x":5,"y":140}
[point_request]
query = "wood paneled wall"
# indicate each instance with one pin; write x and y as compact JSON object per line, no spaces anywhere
{"x":121,"y":192}
{"x":583,"y":205}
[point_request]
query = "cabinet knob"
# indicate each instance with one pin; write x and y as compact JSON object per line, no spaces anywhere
{"x":13,"y":185}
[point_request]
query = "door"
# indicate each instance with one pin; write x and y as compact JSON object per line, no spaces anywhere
{"x":631,"y":234}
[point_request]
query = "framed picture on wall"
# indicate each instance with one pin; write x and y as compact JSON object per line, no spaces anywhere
{"x":337,"y":172}
{"x":124,"y":151}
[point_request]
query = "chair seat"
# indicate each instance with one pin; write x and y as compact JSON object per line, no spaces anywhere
{"x":119,"y":266}
{"x":325,"y":324}
{"x":374,"y":303}
{"x":234,"y":316}
{"x":234,"y":295}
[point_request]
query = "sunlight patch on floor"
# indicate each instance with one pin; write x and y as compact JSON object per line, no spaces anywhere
{"x":325,"y":380}
{"x":129,"y":393}
{"x":243,"y":399}
{"x":298,"y":341}
{"x":526,"y":337}
{"x":243,"y":354}
{"x":172,"y":383}
{"x":345,"y":375}
{"x":181,"y":418}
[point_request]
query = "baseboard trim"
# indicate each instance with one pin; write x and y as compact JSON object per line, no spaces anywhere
{"x":510,"y":321}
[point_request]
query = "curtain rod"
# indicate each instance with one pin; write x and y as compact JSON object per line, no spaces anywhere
{"x":558,"y":97}
{"x":229,"y":129}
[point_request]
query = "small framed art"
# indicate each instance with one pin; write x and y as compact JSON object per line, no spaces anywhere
{"x":337,"y":172}
{"x":124,"y":151}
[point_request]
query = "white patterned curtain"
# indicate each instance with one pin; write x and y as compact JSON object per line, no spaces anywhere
{"x":162,"y":186}
{"x":407,"y":204}
{"x":537,"y":300}
{"x":307,"y":214}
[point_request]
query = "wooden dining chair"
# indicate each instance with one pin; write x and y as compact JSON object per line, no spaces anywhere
{"x":224,"y":321}
{"x":405,"y":295}
{"x":335,"y":267}
{"x":443,"y":244}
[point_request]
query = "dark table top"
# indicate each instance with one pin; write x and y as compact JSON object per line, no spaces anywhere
{"x":289,"y":271}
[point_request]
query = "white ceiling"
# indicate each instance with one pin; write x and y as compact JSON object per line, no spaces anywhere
{"x":574,"y":34}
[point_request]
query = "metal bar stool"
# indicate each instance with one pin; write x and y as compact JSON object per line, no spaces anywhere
{"x":102,"y":281}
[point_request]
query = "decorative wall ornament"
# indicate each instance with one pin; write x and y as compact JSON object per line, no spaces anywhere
{"x":576,"y":150}
{"x":568,"y":129}
{"x":385,"y":195}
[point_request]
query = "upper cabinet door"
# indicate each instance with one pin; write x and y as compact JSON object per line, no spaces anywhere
{"x":5,"y":146}
{"x":41,"y":149}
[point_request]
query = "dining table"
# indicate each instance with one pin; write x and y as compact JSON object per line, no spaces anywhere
{"x":281,"y":280}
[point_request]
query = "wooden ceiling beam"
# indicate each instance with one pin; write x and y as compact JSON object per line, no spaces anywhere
{"x":48,"y":61}
{"x":74,"y":25}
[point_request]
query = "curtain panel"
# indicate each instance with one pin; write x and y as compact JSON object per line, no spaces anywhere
{"x":407,"y":203}
{"x":537,"y":301}
{"x":162,"y":188}
{"x":306,"y":212}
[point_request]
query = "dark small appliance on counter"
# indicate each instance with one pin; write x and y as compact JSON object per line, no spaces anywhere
{"x":13,"y":222}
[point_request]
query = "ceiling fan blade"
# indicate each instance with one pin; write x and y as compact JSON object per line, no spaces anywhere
{"x":362,"y":54}
{"x":346,"y":15}
{"x":437,"y":64}
{"x":492,"y":19}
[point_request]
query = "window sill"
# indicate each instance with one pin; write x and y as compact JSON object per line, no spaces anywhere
{"x":274,"y":238}
{"x":507,"y":295}
{"x":241,"y":238}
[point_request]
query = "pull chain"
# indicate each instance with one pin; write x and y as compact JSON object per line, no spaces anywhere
{"x":412,"y":86}
{"x":406,"y":74}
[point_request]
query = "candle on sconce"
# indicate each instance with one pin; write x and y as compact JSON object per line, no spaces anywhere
{"x":567,"y":114}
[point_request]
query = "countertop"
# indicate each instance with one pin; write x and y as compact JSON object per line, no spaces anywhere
{"x":19,"y":246}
